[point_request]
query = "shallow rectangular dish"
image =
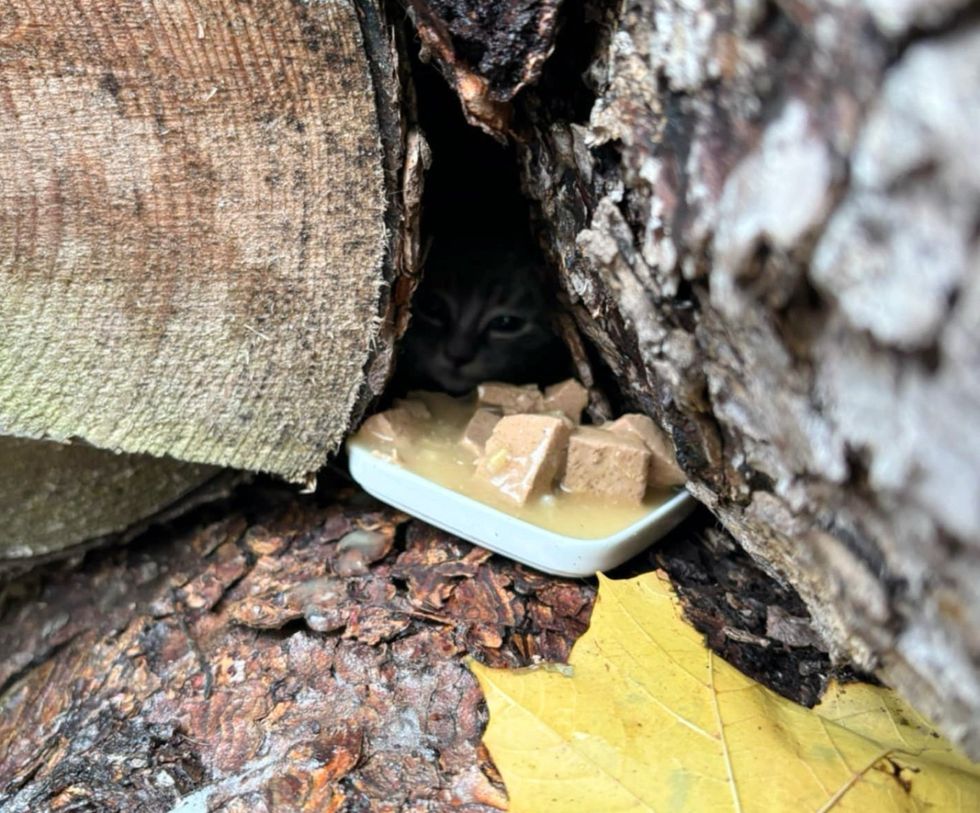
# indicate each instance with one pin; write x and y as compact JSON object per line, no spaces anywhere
{"x":502,"y":533}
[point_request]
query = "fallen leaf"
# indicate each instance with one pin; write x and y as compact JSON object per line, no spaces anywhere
{"x":646,"y":718}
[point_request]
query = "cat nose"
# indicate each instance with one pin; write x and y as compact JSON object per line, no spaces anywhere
{"x":460,"y":352}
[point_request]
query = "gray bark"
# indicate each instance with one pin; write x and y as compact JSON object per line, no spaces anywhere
{"x":768,"y":228}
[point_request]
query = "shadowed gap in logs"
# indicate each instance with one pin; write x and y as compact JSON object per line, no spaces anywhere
{"x":473,"y":194}
{"x":474,"y":218}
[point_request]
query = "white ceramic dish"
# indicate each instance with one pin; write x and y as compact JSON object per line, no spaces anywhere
{"x":540,"y":548}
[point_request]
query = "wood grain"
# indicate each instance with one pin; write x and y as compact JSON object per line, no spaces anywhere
{"x":54,"y":496}
{"x":192,"y":241}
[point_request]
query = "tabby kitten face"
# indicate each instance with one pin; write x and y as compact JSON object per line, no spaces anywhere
{"x":482,"y":317}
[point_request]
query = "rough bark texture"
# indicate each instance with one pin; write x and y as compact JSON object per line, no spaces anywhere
{"x":767,"y":226}
{"x":55,"y":496}
{"x":272,"y":662}
{"x":765,"y":219}
{"x":199,"y":218}
{"x":277,"y":653}
{"x":487,"y":51}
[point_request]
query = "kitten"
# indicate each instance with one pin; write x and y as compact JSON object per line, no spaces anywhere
{"x":480,"y":314}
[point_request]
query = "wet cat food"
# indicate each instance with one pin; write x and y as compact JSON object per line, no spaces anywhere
{"x":524,"y":452}
{"x":569,"y":397}
{"x":606,"y":464}
{"x":399,"y":424}
{"x":508,"y":398}
{"x":663,"y":467}
{"x":478,"y":430}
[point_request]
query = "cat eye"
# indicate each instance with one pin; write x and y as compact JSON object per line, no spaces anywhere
{"x":506,"y":324}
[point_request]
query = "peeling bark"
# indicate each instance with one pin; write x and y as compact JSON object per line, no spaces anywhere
{"x":766,"y":226}
{"x":305,"y":656}
{"x":488,"y":52}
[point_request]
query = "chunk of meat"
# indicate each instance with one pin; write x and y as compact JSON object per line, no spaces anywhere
{"x":568,"y":397}
{"x":417,"y":409}
{"x":606,"y":464}
{"x":400,"y":423}
{"x":478,"y":430}
{"x":509,"y":398}
{"x":664,"y":470}
{"x":524,"y":455}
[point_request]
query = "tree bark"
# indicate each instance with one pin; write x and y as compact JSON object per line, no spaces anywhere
{"x":765,"y":221}
{"x":767,"y":227}
{"x":257,"y":665}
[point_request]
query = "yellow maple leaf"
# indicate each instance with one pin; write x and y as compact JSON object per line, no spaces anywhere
{"x":644,"y":717}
